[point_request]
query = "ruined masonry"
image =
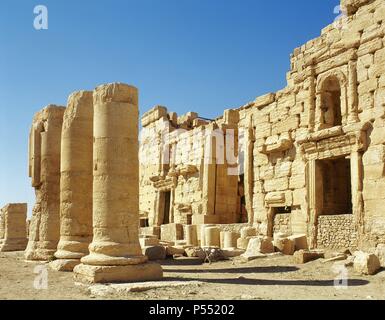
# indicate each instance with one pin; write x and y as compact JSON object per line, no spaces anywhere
{"x":44,"y":170}
{"x":302,"y":168}
{"x":75,"y":182}
{"x":309,"y":158}
{"x":115,"y":252}
{"x":13,"y":232}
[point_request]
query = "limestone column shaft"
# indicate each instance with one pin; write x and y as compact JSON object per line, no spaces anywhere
{"x":115,"y":252}
{"x":115,"y":177}
{"x":76,"y":181}
{"x":353,"y":94}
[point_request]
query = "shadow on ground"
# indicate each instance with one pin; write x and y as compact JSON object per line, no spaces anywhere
{"x":268,"y":282}
{"x":271,"y":269}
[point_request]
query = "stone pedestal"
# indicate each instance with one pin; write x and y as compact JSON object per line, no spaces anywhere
{"x":212,"y":237}
{"x":13,"y":227}
{"x":115,"y":253}
{"x":190,"y":235}
{"x":75,"y":182}
{"x":44,"y":169}
{"x":229,"y":240}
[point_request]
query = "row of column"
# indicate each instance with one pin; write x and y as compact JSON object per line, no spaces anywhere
{"x":99,"y":189}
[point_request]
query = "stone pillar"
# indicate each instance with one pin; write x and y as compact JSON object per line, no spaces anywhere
{"x":115,"y":253}
{"x":312,"y":98}
{"x":212,"y":237}
{"x":75,"y":182}
{"x":315,"y":196}
{"x":352,"y":93}
{"x":229,"y":240}
{"x":357,"y":176}
{"x":45,"y":140}
{"x":14,"y":221}
{"x":249,"y":169}
{"x":209,"y":175}
{"x":191,"y":237}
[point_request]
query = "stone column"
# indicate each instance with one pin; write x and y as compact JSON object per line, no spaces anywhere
{"x":115,"y":253}
{"x":312,"y":98}
{"x":352,"y":93}
{"x":14,"y":221}
{"x":249,"y":169}
{"x":357,"y":179}
{"x":212,"y":237}
{"x":191,"y":237}
{"x":75,"y":182}
{"x":44,"y":170}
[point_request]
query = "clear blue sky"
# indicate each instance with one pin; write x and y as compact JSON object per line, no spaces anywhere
{"x":189,"y":55}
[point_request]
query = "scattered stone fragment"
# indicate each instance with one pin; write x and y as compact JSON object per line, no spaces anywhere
{"x":366,"y":263}
{"x":305,"y":256}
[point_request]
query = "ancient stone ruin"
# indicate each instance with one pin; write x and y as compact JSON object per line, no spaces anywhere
{"x":13,"y":233}
{"x":75,"y":182}
{"x":115,"y":253}
{"x":298,"y":171}
{"x":44,"y":170}
{"x":307,"y":160}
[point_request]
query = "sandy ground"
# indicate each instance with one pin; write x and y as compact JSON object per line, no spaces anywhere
{"x":269,"y":278}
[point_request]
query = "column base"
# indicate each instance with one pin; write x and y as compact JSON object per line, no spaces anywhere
{"x":115,"y":274}
{"x":66,"y":265}
{"x":13,"y":245}
{"x":36,"y":252}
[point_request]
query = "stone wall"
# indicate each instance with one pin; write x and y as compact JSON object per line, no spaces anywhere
{"x":336,"y":232}
{"x":282,"y":223}
{"x":333,"y":107}
{"x":180,"y":155}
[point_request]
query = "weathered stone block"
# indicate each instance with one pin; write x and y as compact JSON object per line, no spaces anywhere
{"x":365,"y":263}
{"x":304,"y":256}
{"x":171,"y":232}
{"x":155,"y":252}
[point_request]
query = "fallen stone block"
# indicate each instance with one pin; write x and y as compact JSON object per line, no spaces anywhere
{"x":305,"y":256}
{"x":380,"y":253}
{"x":155,"y":252}
{"x":195,"y":253}
{"x":260,"y":245}
{"x":285,"y":245}
{"x":213,"y":254}
{"x":365,"y":263}
{"x":171,"y":251}
{"x":300,"y":241}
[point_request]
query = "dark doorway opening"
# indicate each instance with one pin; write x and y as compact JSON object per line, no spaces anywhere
{"x":166,"y":205}
{"x":335,"y":189}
